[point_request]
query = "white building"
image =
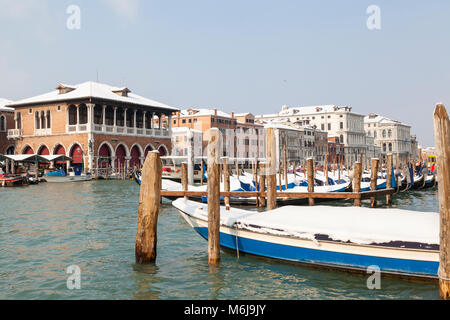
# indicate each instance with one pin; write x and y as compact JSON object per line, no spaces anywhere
{"x":336,"y":121}
{"x":391,"y":136}
{"x":181,"y":141}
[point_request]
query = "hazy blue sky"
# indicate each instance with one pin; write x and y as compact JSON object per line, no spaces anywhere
{"x":247,"y":55}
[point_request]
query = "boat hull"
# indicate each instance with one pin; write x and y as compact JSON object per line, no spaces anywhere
{"x":56,"y":179}
{"x":395,"y":261}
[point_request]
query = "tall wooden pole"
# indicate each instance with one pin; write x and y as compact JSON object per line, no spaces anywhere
{"x":389,"y":177}
{"x":226,"y":181}
{"x":213,"y":198}
{"x":202,"y":173}
{"x":271,"y":169}
{"x":356,"y":184}
{"x":285,"y":165}
{"x":184,"y":177}
{"x":310,"y":165}
{"x":255,"y":178}
{"x":326,"y":167}
{"x":262,"y":185}
{"x":373,"y":181}
{"x":442,"y":143}
{"x":148,"y":210}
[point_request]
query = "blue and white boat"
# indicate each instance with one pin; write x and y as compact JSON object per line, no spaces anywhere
{"x":398,"y":242}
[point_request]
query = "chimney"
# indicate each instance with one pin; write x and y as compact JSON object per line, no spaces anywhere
{"x":232,"y":114}
{"x":215,"y":112}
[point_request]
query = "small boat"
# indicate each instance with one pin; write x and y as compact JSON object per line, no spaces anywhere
{"x":61,"y":176}
{"x":398,"y":242}
{"x":11,"y":180}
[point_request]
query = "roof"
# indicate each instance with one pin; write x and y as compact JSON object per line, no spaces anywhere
{"x":184,"y":129}
{"x":308,"y":110}
{"x":3,"y":103}
{"x":91,"y":89}
{"x":203,"y":112}
{"x":374,"y":118}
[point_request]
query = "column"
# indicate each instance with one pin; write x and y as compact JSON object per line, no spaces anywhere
{"x":169,"y":127}
{"x":125,"y":118}
{"x":115,"y":118}
{"x":143,"y":121}
{"x":104,"y":116}
{"x":90,"y":108}
{"x":78,"y":117}
{"x":153,"y":120}
{"x":134,"y":121}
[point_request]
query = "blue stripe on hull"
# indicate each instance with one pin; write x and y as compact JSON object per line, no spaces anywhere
{"x":329,"y":258}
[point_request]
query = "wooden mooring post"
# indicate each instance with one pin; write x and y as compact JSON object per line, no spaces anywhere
{"x":184,"y":177}
{"x":373,"y":181}
{"x":442,"y":144}
{"x":270,"y":169}
{"x":310,"y":166}
{"x":262,"y":186}
{"x":356,"y":183}
{"x":149,"y":202}
{"x":213,"y":198}
{"x":389,"y":165}
{"x":226,"y":181}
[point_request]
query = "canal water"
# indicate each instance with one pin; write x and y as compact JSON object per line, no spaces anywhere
{"x":46,"y":228}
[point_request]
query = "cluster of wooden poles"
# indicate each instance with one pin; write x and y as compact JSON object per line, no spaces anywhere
{"x":150,"y":194}
{"x":122,"y":172}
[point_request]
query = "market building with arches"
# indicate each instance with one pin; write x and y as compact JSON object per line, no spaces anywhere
{"x":94,"y":124}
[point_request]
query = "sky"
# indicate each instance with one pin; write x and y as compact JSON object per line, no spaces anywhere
{"x":242,"y":56}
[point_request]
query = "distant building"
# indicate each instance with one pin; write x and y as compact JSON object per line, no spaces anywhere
{"x":95,"y":124}
{"x":6,"y":123}
{"x":335,"y":150}
{"x":336,"y":121}
{"x":181,"y":141}
{"x":293,"y":139}
{"x":241,"y":136}
{"x":391,"y":136}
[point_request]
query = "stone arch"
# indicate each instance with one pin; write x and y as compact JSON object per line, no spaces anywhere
{"x":11,"y":149}
{"x":57,"y":147}
{"x":121,"y":154}
{"x":43,"y":150}
{"x":136,"y":153}
{"x":163,"y":151}
{"x":76,"y":153}
{"x":149,"y":147}
{"x":105,"y":153}
{"x":27,"y":149}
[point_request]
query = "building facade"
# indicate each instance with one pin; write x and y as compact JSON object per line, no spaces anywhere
{"x":6,"y":123}
{"x":391,"y":136}
{"x":242,"y":138}
{"x":95,"y":124}
{"x":336,"y":121}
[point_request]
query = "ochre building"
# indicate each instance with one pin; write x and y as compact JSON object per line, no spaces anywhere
{"x":97,"y":125}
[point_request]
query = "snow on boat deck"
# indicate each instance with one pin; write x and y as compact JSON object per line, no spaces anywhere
{"x":354,"y":224}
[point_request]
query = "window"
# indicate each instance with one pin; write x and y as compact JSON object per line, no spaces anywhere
{"x":341,"y":125}
{"x":2,"y":123}
{"x":322,"y":127}
{"x":190,"y":120}
{"x":30,"y":111}
{"x":59,"y":108}
{"x":390,"y":147}
{"x":389,"y":133}
{"x":174,"y":121}
{"x":384,"y":147}
{"x":329,"y":126}
{"x":384,"y":136}
{"x":183,"y":121}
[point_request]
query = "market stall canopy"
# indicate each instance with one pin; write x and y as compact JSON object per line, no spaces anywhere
{"x":57,"y":157}
{"x":27,"y":158}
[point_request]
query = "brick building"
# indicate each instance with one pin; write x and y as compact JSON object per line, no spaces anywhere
{"x":93,"y":123}
{"x":241,"y":136}
{"x":6,"y":123}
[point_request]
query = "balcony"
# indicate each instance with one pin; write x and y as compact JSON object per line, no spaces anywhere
{"x":98,"y":128}
{"x":42,"y":132}
{"x":14,"y":134}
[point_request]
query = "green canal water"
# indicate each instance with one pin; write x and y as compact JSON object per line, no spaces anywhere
{"x":48,"y":227}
